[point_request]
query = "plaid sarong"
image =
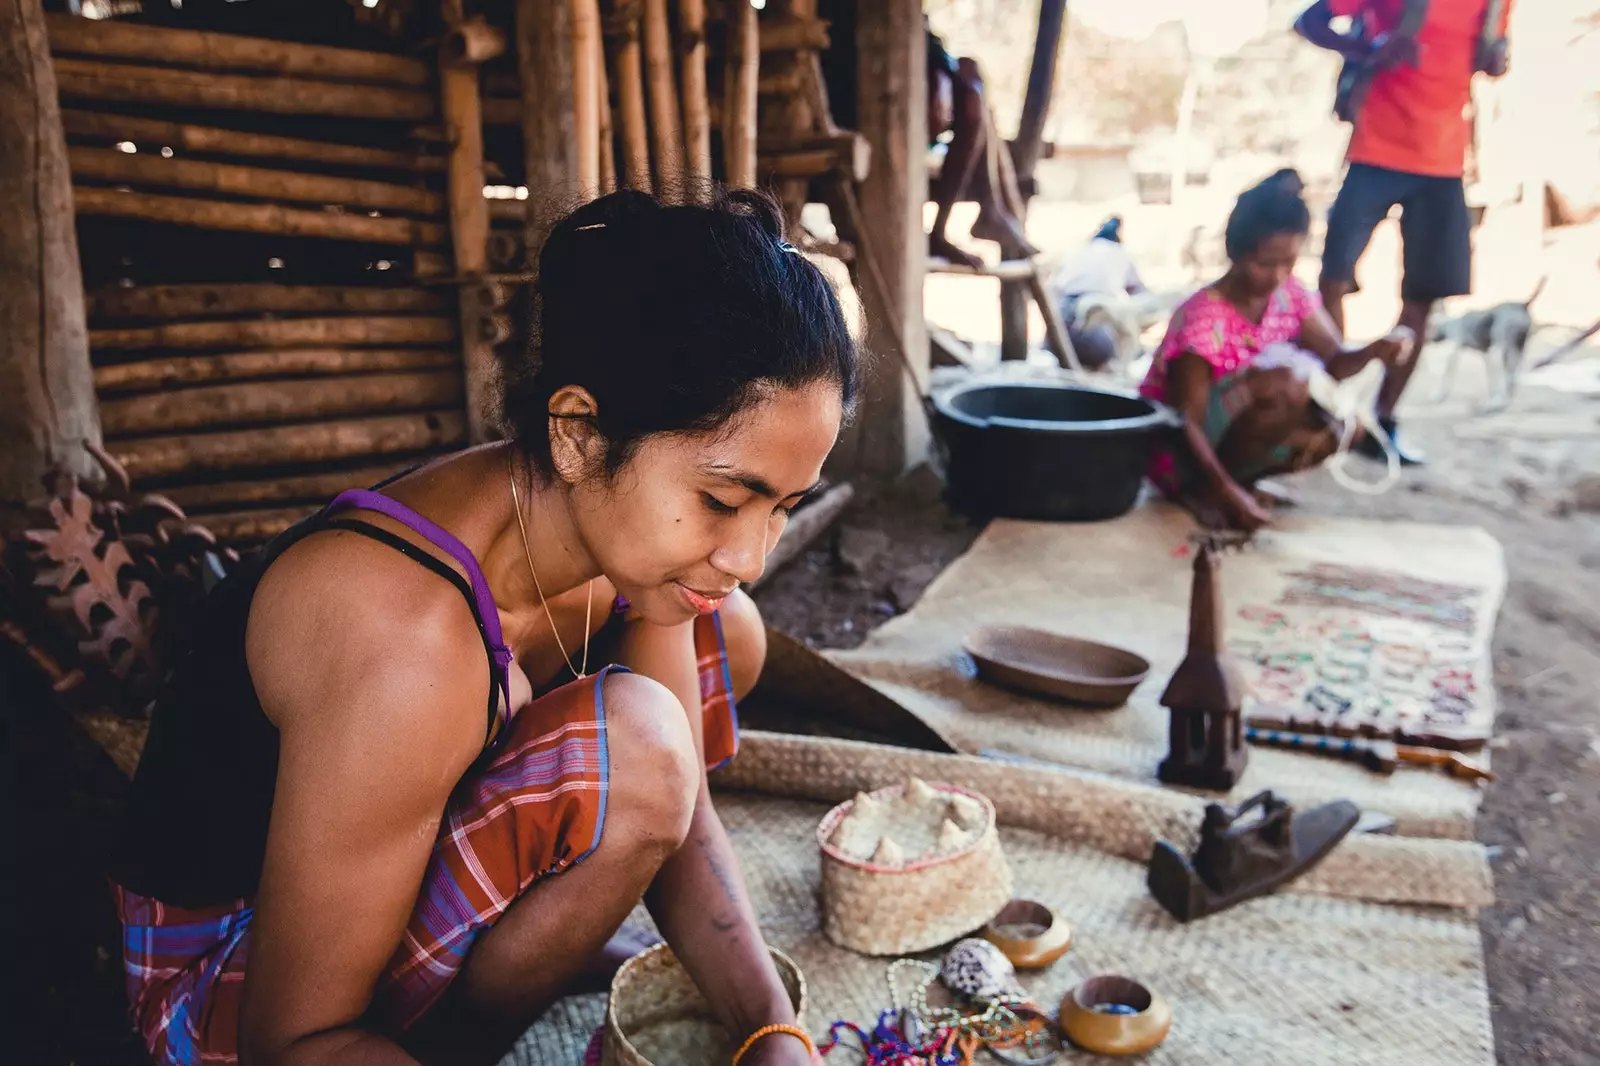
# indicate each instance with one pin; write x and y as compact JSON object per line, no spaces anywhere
{"x":546,"y":785}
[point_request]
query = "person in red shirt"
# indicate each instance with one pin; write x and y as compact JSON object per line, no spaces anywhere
{"x":1408,"y":147}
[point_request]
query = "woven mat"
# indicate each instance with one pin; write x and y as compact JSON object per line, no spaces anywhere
{"x":1293,"y":977}
{"x":1122,"y":583}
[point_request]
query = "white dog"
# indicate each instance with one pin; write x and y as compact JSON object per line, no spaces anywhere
{"x":1500,"y":333}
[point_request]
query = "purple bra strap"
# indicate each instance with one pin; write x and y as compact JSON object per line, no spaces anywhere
{"x":368,"y":500}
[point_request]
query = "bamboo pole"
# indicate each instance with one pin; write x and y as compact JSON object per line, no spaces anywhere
{"x":696,"y":107}
{"x":462,"y":108}
{"x":254,"y":218}
{"x":155,"y":374}
{"x":167,"y":302}
{"x":277,"y":402}
{"x":544,"y":63}
{"x":586,"y":57}
{"x":630,"y":109}
{"x":666,"y":125}
{"x":297,"y":488}
{"x":608,"y":134}
{"x":73,"y":35}
{"x":470,"y":42}
{"x":739,"y":96}
{"x":230,"y":179}
{"x":91,"y":79}
{"x":278,"y":333}
{"x":316,"y":442}
{"x":207,"y":140}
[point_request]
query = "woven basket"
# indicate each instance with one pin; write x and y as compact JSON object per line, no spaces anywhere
{"x":899,"y":910}
{"x":657,"y":1017}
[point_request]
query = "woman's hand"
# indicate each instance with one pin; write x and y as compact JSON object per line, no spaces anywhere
{"x":1243,"y":510}
{"x":1394,"y":349}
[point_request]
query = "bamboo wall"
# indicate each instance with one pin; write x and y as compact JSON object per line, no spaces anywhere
{"x":261,"y":327}
{"x":288,"y":294}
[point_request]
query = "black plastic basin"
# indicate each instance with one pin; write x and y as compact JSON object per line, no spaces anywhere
{"x":1047,"y":450}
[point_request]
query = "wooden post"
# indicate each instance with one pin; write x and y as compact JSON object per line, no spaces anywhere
{"x":696,"y":107}
{"x":739,"y":95}
{"x":1024,"y":155}
{"x":666,"y":128}
{"x":890,"y":432}
{"x":630,"y":106}
{"x":469,"y":219}
{"x":544,"y":61}
{"x":49,"y":411}
{"x":587,"y":55}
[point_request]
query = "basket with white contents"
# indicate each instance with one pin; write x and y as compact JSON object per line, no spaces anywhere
{"x":909,"y":867}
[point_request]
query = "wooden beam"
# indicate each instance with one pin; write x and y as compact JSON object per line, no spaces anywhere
{"x":793,"y":34}
{"x":544,"y":61}
{"x":890,"y":435}
{"x":150,"y":170}
{"x":252,"y":527}
{"x":696,"y":106}
{"x":150,"y":375}
{"x":847,"y":153}
{"x":739,"y":100}
{"x":462,"y":109}
{"x":279,"y":333}
{"x":206,"y":140}
{"x":631,"y":121}
{"x":72,"y":35}
{"x":192,"y":454}
{"x":255,"y":218}
{"x":92,"y":79}
{"x":280,"y":402}
{"x":167,"y":302}
{"x":49,"y":413}
{"x":296,"y":488}
{"x":666,"y":124}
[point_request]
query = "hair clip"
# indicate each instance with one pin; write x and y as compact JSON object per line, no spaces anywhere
{"x":785,"y":246}
{"x":592,"y":225}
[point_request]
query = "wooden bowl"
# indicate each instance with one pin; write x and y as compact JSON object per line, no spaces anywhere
{"x":1134,"y":1033}
{"x":1030,"y":934}
{"x":1048,"y":664}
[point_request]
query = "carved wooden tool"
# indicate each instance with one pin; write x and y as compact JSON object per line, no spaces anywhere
{"x":1379,"y":756}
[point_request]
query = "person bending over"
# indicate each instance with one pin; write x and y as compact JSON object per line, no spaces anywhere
{"x":433,"y":745}
{"x":1244,"y":422}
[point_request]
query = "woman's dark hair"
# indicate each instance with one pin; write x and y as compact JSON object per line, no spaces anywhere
{"x":674,"y":317}
{"x":1270,"y":207}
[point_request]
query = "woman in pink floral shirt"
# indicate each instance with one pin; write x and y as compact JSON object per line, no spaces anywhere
{"x":1242,"y":421}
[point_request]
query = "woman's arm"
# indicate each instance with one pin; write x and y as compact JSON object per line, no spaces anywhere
{"x":1189,"y":384}
{"x":699,"y":900}
{"x":379,"y":700}
{"x":1320,"y":337}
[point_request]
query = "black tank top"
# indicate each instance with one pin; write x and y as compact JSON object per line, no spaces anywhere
{"x":194,"y":831}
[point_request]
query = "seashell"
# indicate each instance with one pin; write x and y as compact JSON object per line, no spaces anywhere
{"x":952,"y":838}
{"x":977,"y":969}
{"x":966,"y":812}
{"x":888,"y":853}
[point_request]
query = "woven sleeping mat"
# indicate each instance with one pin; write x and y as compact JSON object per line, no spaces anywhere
{"x":1315,"y":975}
{"x":1127,"y":583}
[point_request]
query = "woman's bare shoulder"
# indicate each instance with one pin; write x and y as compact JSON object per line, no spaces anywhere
{"x":343,"y":621}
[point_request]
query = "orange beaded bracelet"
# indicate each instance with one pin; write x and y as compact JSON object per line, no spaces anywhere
{"x":768,"y":1030}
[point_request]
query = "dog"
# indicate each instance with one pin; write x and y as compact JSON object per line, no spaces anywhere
{"x":1499,"y":333}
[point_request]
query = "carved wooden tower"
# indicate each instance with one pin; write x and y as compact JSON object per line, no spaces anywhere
{"x":1206,"y":694}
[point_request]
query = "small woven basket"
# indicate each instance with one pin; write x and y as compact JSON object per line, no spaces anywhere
{"x":657,"y":1017}
{"x":899,"y":910}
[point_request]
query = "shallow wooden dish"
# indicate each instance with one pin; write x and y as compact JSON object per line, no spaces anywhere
{"x":1057,"y":666}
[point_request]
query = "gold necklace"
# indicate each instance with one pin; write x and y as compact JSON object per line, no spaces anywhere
{"x":588,"y":610}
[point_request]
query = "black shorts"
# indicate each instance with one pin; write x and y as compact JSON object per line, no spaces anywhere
{"x":1435,"y":229}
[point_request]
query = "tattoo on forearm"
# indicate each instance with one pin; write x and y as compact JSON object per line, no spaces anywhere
{"x":725,"y":921}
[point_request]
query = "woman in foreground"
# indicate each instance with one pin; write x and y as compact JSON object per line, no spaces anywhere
{"x":1235,"y":363}
{"x":392,"y":805}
